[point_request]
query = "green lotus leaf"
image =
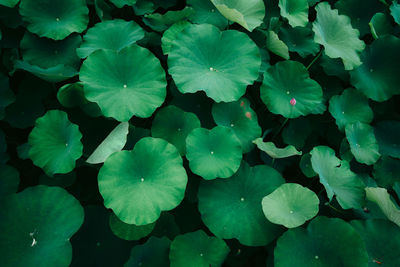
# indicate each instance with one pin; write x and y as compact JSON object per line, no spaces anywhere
{"x":321,"y":244}
{"x":360,"y":12}
{"x":205,"y":12}
{"x":125,"y":83}
{"x":47,"y":53}
{"x":288,"y":80}
{"x":7,"y":96}
{"x":171,"y":34}
{"x":380,"y":25}
{"x":387,"y":172}
{"x":362,"y":142}
{"x":161,"y":22}
{"x":247,"y":13}
{"x":295,"y":11}
{"x":114,"y":142}
{"x":336,"y":34}
{"x":215,"y":153}
{"x":55,"y":143}
{"x":290,"y":205}
{"x":241,"y":119}
{"x":351,"y":106}
{"x":174,"y":125}
{"x":112,"y":35}
{"x":28,"y":220}
{"x":299,"y":40}
{"x":199,"y":249}
{"x":9,"y":3}
{"x":71,"y":95}
{"x":103,"y":9}
{"x":275,"y":152}
{"x":129,"y":231}
{"x":387,"y":134}
{"x":153,"y":253}
{"x":377,"y":77}
{"x":54,"y":19}
{"x":395,"y":11}
{"x":122,"y":3}
{"x":9,"y":180}
{"x":381,"y":197}
{"x":337,"y":178}
{"x":296,"y":132}
{"x":306,"y":166}
{"x":53,"y":74}
{"x":137,"y":185}
{"x":231,"y":208}
{"x":143,"y":7}
{"x":276,"y":46}
{"x":334,"y":67}
{"x":200,"y":60}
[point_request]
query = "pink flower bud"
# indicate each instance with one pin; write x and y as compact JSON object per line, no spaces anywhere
{"x":292,"y":101}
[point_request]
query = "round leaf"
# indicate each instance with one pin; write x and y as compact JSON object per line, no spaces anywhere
{"x":153,"y":253}
{"x":296,"y":11}
{"x":129,"y":231}
{"x":299,"y":40}
{"x":205,"y":12}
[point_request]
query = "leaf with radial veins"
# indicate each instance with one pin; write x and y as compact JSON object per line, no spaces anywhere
{"x":296,"y":11}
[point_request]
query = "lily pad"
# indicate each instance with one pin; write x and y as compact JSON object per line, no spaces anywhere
{"x":28,"y":220}
{"x":381,"y":197}
{"x":174,"y":125}
{"x":199,"y":249}
{"x":213,"y":153}
{"x":274,"y":152}
{"x":9,"y":3}
{"x":296,"y":11}
{"x":161,"y":22}
{"x":290,"y":205}
{"x":241,"y":118}
{"x":336,"y":34}
{"x":248,"y":13}
{"x":200,"y":60}
{"x":171,"y":34}
{"x":288,"y":80}
{"x":153,"y":253}
{"x":129,"y":231}
{"x":395,"y":11}
{"x":387,"y":134}
{"x":306,"y":166}
{"x":387,"y":172}
{"x":351,"y":106}
{"x":122,"y":3}
{"x":54,"y":19}
{"x":113,"y":35}
{"x":377,"y":77}
{"x":114,"y":142}
{"x":9,"y":180}
{"x":54,"y":74}
{"x":321,"y":244}
{"x":337,"y":178}
{"x":380,"y":25}
{"x":231,"y":208}
{"x":205,"y":12}
{"x":125,"y":83}
{"x":55,"y":143}
{"x":137,"y":185}
{"x":299,"y":40}
{"x":276,"y":46}
{"x":362,"y":142}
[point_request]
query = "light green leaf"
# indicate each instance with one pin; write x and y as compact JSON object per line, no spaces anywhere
{"x":276,"y":46}
{"x":274,"y":152}
{"x":296,"y":11}
{"x":381,"y":197}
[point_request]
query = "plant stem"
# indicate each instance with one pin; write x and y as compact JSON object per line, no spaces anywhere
{"x":280,"y":128}
{"x":315,"y":59}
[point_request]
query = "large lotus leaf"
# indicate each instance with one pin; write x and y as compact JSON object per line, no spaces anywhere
{"x":7,"y":96}
{"x":161,"y":22}
{"x":213,"y":153}
{"x":174,"y":125}
{"x":129,"y":231}
{"x":137,"y":185}
{"x":205,"y":12}
{"x":37,"y":225}
{"x":114,"y":142}
{"x":122,"y":3}
{"x":381,"y":197}
{"x":9,"y":3}
{"x":240,"y":118}
{"x":125,"y":83}
{"x":9,"y":180}
{"x":55,"y":143}
{"x":54,"y":74}
{"x":387,"y":172}
{"x":387,"y":133}
{"x":362,"y":142}
{"x":153,"y":253}
{"x":47,"y":53}
{"x":171,"y":34}
{"x":112,"y":35}
{"x":54,"y":19}
{"x":351,"y":106}
{"x":299,"y":40}
{"x":248,"y":13}
{"x":288,"y":80}
{"x":231,"y":208}
{"x":202,"y":58}
{"x":337,"y":178}
{"x":382,"y":239}
{"x":296,"y":11}
{"x":360,"y":12}
{"x":199,"y":249}
{"x":326,"y":242}
{"x":380,"y":25}
{"x":290,"y":205}
{"x":395,"y":11}
{"x":276,"y":46}
{"x":336,"y":34}
{"x":378,"y":77}
{"x":274,"y":152}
